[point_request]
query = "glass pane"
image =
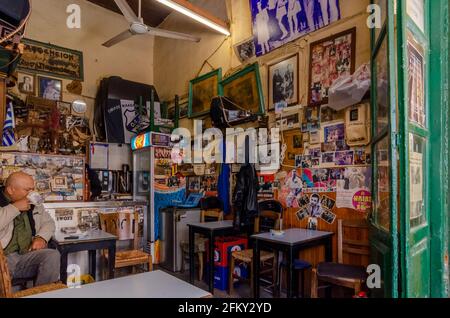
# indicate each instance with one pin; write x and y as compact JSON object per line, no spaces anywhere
{"x":383,"y":7}
{"x":416,"y":82}
{"x":416,"y":11}
{"x":382,"y":87}
{"x":417,"y":164}
{"x":382,"y":200}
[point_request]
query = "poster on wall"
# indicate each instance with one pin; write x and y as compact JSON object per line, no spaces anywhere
{"x":44,"y":58}
{"x":277,"y":22}
{"x":353,"y":190}
{"x":416,"y":85}
{"x":330,"y":59}
{"x":292,"y":189}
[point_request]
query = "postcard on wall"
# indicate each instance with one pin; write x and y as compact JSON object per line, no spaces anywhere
{"x":343,"y":158}
{"x":333,"y":132}
{"x":328,"y":216}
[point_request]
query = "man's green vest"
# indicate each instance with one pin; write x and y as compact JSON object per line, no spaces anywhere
{"x":22,"y":236}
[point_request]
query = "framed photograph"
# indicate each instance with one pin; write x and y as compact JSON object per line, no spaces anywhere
{"x":201,"y":91}
{"x":245,"y":50}
{"x":244,"y":89}
{"x":283,"y":82}
{"x":50,"y":88}
{"x":26,"y":83}
{"x":330,"y":58}
{"x":294,"y":142}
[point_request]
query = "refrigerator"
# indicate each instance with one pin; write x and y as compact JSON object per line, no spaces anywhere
{"x":174,"y":230}
{"x":155,"y":180}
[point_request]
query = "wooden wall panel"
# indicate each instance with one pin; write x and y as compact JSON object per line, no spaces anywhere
{"x":316,"y":255}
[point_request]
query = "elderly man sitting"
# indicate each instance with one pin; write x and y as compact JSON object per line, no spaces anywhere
{"x":25,"y":230}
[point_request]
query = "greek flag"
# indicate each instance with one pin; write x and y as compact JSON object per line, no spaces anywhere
{"x":8,"y":132}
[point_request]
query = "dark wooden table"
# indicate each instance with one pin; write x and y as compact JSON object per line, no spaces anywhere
{"x":93,"y":241}
{"x":210,"y":230}
{"x":291,"y":243}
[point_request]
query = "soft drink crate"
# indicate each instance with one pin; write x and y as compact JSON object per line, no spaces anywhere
{"x":221,"y":275}
{"x":223,"y":248}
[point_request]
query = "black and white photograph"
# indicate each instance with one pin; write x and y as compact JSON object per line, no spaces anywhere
{"x":328,"y":158}
{"x":303,"y":200}
{"x":328,"y":216}
{"x":245,"y":50}
{"x":327,"y":202}
{"x":312,"y":224}
{"x":26,"y":83}
{"x":298,"y":161}
{"x":283,"y":83}
{"x":50,"y":88}
{"x":302,"y":214}
{"x":277,"y":22}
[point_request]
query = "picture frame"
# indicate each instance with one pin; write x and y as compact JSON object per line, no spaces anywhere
{"x":26,"y":83}
{"x":283,"y":81}
{"x":244,"y":89}
{"x":245,"y":50}
{"x":292,"y":139}
{"x":49,"y":88}
{"x":201,"y":91}
{"x":337,"y":53}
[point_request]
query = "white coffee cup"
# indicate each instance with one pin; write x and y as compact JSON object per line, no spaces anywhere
{"x":35,"y":198}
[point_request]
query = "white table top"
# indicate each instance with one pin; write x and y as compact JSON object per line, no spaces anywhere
{"x":213,"y":225}
{"x":156,"y":284}
{"x":293,"y":236}
{"x":89,"y":236}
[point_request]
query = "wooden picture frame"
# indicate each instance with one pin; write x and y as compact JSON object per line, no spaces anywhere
{"x":285,"y":92}
{"x":22,"y":85}
{"x":333,"y":52}
{"x":201,"y":91}
{"x":294,"y":142}
{"x":244,"y":88}
{"x":50,"y":91}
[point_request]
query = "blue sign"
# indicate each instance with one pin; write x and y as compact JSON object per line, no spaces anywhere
{"x":277,"y":22}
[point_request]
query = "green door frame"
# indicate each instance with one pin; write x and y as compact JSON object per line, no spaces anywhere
{"x":439,"y":186}
{"x":417,"y":253}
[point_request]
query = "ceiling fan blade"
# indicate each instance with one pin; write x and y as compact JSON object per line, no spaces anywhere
{"x":119,"y":38}
{"x":172,"y":35}
{"x":127,"y":11}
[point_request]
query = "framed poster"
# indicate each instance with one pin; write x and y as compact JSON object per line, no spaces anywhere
{"x":277,"y":22}
{"x":244,"y":89}
{"x":201,"y":91}
{"x":330,"y":58}
{"x":416,"y":83}
{"x":283,"y":82}
{"x":52,"y":60}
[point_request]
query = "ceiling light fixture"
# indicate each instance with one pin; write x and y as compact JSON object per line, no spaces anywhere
{"x":197,"y":14}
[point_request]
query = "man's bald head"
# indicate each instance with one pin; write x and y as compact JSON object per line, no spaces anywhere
{"x":18,"y":185}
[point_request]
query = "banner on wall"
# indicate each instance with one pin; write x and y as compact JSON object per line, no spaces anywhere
{"x":277,"y":22}
{"x":44,"y":58}
{"x":353,"y":191}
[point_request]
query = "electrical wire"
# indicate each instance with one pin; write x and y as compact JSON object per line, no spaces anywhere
{"x":21,"y":26}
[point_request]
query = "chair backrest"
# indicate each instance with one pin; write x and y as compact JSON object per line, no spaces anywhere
{"x":275,"y":217}
{"x":5,"y":278}
{"x":210,"y":203}
{"x":269,"y":217}
{"x":352,"y":246}
{"x":270,"y":205}
{"x":124,"y":225}
{"x":211,"y":213}
{"x":211,"y":208}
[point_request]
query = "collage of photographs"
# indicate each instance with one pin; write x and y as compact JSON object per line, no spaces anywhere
{"x":315,"y":206}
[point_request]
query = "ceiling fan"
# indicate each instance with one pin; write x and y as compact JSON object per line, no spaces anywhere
{"x":138,"y":27}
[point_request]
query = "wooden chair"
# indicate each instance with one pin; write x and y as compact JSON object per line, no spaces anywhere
{"x":6,"y":290}
{"x":246,"y":256}
{"x":125,"y":226}
{"x":350,"y":276}
{"x":211,"y":210}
